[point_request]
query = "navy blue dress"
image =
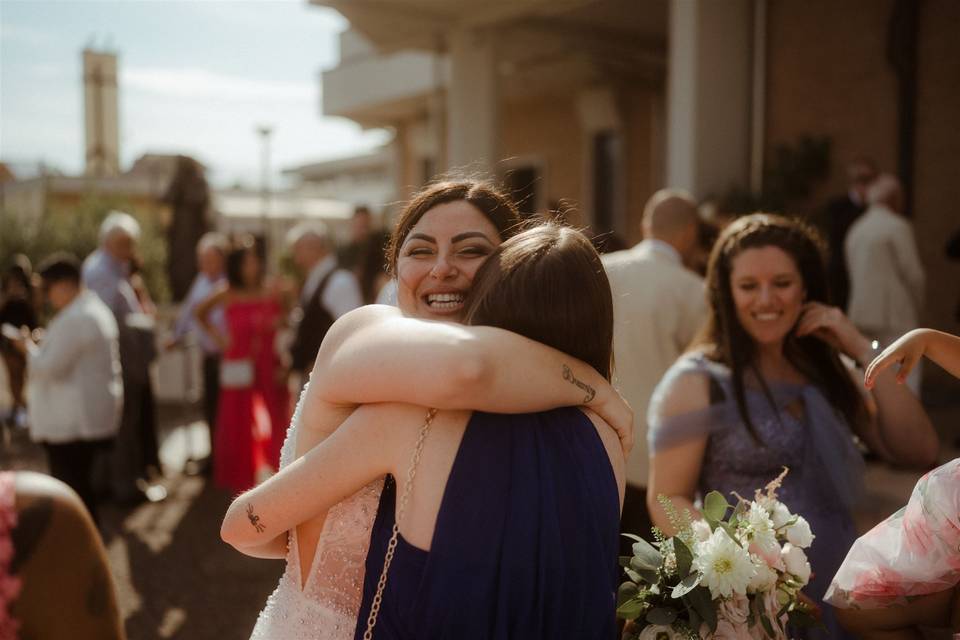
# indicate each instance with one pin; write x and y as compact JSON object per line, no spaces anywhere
{"x":525,"y":544}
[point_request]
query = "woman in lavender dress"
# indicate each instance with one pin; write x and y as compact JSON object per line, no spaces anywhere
{"x":765,"y":388}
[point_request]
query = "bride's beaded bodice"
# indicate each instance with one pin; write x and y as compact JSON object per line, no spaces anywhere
{"x":327,"y":605}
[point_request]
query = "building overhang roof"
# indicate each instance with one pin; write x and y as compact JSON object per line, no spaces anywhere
{"x":394,"y":25}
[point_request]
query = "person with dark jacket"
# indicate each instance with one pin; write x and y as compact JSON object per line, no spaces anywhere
{"x":328,"y":292}
{"x":839,"y":214}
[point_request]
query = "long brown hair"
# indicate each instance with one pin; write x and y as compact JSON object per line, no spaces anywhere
{"x":487,"y":198}
{"x":724,"y":339}
{"x":547,"y":283}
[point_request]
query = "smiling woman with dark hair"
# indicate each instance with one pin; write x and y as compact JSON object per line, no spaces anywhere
{"x":501,"y":526}
{"x":765,"y":387}
{"x":379,"y":354}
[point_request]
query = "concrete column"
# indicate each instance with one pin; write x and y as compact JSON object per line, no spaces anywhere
{"x":472,"y":102}
{"x":709,"y":84}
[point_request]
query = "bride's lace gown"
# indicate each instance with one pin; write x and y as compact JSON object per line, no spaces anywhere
{"x":326,"y":608}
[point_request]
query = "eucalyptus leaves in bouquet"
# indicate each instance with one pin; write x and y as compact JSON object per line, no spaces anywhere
{"x":736,"y":577}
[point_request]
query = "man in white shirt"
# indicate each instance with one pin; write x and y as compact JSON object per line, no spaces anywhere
{"x":887,"y":279}
{"x":75,"y":386}
{"x":328,"y":292}
{"x":211,"y":258}
{"x":658,"y":305}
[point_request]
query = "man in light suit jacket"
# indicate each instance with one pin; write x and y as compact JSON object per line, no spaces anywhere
{"x":658,"y":305}
{"x":75,"y":386}
{"x":886,"y":276}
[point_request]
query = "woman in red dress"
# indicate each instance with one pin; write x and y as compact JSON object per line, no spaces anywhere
{"x":253,"y":412}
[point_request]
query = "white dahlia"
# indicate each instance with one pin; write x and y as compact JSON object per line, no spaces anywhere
{"x":761,"y":536}
{"x":725,"y":565}
{"x":758,"y":521}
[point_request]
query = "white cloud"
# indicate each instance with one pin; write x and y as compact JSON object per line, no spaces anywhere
{"x":195,"y":83}
{"x":253,"y":15}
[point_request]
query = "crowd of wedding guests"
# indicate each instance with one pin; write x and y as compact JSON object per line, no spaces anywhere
{"x":82,"y":386}
{"x":741,"y":349}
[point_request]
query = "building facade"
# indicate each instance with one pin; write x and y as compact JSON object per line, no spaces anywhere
{"x":597,"y":103}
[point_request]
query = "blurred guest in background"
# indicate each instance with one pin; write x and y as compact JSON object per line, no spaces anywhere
{"x":658,"y":306}
{"x":52,"y":547}
{"x":106,"y":272}
{"x":254,"y":404}
{"x":328,"y":292}
{"x":16,"y":294}
{"x":839,"y":214}
{"x":372,"y":270}
{"x":886,"y":276}
{"x":211,"y":256}
{"x":350,"y":255}
{"x":75,"y":388}
{"x":17,"y":310}
{"x":901,"y":576}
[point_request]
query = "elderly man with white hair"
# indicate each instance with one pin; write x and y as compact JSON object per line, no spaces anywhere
{"x":328,"y":292}
{"x":106,"y":272}
{"x":886,"y":276}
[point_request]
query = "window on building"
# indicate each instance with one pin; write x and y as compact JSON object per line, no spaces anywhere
{"x":429,"y":167}
{"x":606,"y":162}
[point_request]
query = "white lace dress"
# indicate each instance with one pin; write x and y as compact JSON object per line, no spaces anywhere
{"x":327,"y":606}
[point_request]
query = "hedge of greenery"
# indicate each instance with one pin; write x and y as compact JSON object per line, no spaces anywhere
{"x":75,"y":231}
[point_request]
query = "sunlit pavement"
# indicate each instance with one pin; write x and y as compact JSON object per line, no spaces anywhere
{"x":176,"y":579}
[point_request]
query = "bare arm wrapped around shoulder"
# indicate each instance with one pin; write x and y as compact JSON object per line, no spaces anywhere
{"x":374,"y":354}
{"x":362,"y":449}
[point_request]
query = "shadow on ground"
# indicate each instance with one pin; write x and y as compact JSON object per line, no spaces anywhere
{"x":175,"y":577}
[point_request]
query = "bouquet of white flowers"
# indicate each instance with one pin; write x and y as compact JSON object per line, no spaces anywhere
{"x":723,"y":578}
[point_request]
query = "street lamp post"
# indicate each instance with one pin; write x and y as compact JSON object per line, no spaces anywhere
{"x":264,"y":131}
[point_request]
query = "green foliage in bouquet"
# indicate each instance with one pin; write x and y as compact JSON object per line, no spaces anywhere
{"x":742,"y":569}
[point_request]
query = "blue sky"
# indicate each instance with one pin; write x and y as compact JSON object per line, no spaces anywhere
{"x":196,"y":77}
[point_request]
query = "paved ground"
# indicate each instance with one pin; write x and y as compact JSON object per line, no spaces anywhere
{"x":176,"y":579}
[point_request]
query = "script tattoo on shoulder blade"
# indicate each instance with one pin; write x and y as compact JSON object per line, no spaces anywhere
{"x":572,"y":379}
{"x":255,"y":519}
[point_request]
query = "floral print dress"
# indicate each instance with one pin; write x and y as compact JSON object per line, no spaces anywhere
{"x":914,"y":552}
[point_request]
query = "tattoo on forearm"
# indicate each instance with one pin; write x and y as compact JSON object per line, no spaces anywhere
{"x":572,"y":379}
{"x":255,"y":519}
{"x":32,"y":523}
